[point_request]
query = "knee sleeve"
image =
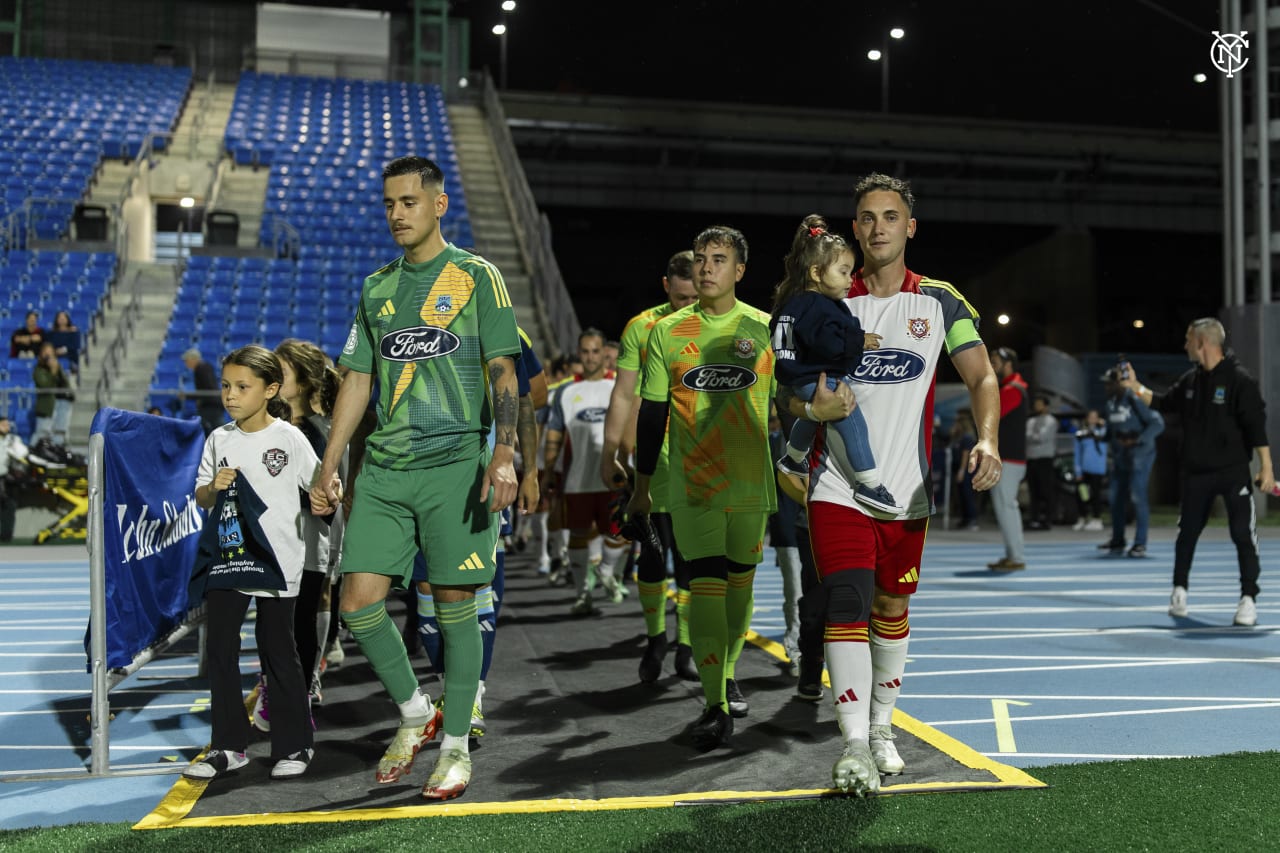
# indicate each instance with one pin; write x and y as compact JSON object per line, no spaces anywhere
{"x":709,"y":567}
{"x":849,"y":596}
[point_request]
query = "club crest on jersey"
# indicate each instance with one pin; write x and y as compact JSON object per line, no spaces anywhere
{"x":591,"y":416}
{"x":889,"y":367}
{"x":417,"y":343}
{"x":444,"y":303}
{"x":918,"y":328}
{"x":744,"y":347}
{"x":352,"y":340}
{"x":275,"y":459}
{"x":718,"y":378}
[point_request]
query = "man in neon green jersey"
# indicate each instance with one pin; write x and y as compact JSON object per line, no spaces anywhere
{"x":708,"y":380}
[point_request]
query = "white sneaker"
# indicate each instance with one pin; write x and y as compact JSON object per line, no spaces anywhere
{"x":216,"y":762}
{"x":1093,"y":524}
{"x":1178,"y":601}
{"x":884,"y":752}
{"x":295,"y":765}
{"x":1246,"y":612}
{"x":1080,"y":523}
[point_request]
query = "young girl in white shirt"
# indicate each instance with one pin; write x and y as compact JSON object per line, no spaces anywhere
{"x":273,"y":457}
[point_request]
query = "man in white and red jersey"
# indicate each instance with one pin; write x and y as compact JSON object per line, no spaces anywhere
{"x":870,"y":561}
{"x":576,"y":423}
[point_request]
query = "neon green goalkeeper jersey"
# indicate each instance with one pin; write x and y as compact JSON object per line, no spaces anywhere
{"x":716,"y":371}
{"x":427,"y":332}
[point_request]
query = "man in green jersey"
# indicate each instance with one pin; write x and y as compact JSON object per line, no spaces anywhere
{"x":708,"y":379}
{"x":437,"y":327}
{"x":620,"y":435}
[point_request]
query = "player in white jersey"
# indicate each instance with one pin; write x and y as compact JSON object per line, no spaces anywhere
{"x":870,"y":561}
{"x":576,"y":424}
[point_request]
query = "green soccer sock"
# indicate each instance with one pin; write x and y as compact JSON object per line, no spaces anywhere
{"x":381,"y":643}
{"x":463,"y":654}
{"x":738,"y":603}
{"x":653,"y":601}
{"x":682,"y":616}
{"x":709,"y":632}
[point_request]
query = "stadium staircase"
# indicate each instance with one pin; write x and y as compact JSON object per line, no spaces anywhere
{"x":491,"y":216}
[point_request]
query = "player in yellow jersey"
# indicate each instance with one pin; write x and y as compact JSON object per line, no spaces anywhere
{"x":708,"y":380}
{"x":615,"y":462}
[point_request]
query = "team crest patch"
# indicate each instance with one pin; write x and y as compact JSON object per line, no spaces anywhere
{"x":918,"y":328}
{"x":744,"y":347}
{"x":444,"y":303}
{"x":275,"y":459}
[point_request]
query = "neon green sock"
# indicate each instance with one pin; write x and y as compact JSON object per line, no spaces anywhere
{"x":380,"y":641}
{"x":708,"y":628}
{"x":463,"y":654}
{"x":738,"y":603}
{"x":682,"y":617}
{"x":653,"y":601}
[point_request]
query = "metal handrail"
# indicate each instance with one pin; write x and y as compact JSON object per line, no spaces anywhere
{"x":556,"y":315}
{"x":118,"y":349}
{"x":286,"y":242}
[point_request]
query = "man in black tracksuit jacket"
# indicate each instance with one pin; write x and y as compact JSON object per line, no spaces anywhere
{"x":1223,"y":420}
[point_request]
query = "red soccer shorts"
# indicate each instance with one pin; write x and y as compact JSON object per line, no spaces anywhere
{"x":844,"y":538}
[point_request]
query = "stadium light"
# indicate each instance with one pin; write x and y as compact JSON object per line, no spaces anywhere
{"x":1139,"y":323}
{"x":881,"y":55}
{"x":500,"y":30}
{"x":187,"y":201}
{"x":1201,"y":77}
{"x":1003,"y":319}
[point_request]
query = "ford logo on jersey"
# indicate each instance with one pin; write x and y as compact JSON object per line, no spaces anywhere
{"x":592,"y":416}
{"x":719,"y":377}
{"x":889,"y":367}
{"x":417,"y":343}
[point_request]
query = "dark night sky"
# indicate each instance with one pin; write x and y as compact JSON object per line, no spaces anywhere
{"x":1119,"y":63}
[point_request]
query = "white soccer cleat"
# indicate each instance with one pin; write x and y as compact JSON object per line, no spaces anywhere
{"x":1178,"y":602}
{"x":884,"y":751}
{"x":855,"y":772}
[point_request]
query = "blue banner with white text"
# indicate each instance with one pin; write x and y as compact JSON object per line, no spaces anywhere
{"x":151,"y":526}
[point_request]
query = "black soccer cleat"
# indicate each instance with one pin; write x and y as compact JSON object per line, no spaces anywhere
{"x":713,"y":728}
{"x":651,"y":663}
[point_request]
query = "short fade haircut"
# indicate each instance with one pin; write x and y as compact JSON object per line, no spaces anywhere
{"x":592,"y":332}
{"x":1211,"y":329}
{"x":680,"y":265}
{"x":876,"y":182}
{"x":722,"y":235}
{"x":1007,"y":354}
{"x":426,"y":170}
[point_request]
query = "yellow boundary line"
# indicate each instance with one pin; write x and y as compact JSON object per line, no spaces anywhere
{"x":177,"y":804}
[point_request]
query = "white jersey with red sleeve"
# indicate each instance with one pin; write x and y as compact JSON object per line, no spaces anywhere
{"x":894,"y":388}
{"x":578,"y":412}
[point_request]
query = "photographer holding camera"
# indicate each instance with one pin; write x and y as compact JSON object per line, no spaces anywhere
{"x":1132,"y":427}
{"x":53,"y":398}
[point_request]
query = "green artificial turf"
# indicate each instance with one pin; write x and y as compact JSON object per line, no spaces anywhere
{"x":1228,"y":802}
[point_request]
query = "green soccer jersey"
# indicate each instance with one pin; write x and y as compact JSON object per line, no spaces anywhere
{"x":717,"y":374}
{"x":634,"y":350}
{"x":428,"y":332}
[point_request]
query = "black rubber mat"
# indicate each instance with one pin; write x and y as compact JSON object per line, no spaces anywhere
{"x":568,"y":722}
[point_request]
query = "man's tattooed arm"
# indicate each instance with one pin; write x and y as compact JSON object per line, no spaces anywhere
{"x":506,"y":408}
